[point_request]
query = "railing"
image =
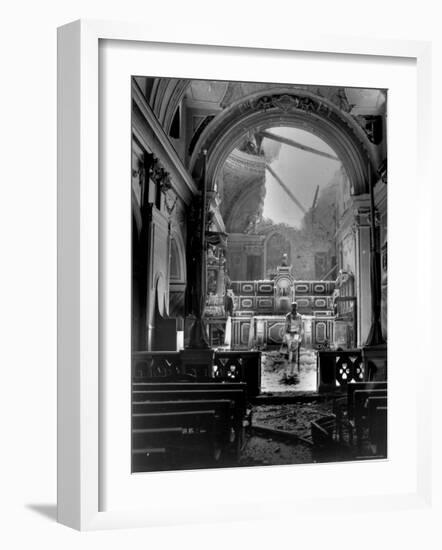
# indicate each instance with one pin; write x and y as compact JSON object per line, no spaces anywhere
{"x":239,"y":366}
{"x":227,"y":366}
{"x":156,"y":364}
{"x":337,"y":369}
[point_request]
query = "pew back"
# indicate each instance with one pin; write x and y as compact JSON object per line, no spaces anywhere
{"x":360,"y":386}
{"x":185,"y":424}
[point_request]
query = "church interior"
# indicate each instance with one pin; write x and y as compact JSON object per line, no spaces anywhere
{"x":249,"y":200}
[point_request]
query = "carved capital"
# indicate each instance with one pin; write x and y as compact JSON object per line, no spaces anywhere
{"x":159,"y":175}
{"x":170,"y":202}
{"x":362,"y":217}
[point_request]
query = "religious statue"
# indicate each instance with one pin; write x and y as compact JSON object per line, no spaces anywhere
{"x":211,"y":257}
{"x":252,"y":220}
{"x":211,"y":283}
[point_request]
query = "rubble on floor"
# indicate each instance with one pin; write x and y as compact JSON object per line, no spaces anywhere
{"x":281,"y":434}
{"x":277,"y":373}
{"x":293,"y":417}
{"x":265,"y":451}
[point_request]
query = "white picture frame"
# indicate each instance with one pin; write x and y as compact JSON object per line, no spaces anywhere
{"x":80,"y":437}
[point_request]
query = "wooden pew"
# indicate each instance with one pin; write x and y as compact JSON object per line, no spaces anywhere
{"x":377,"y":423}
{"x":189,"y":419}
{"x":163,"y":394}
{"x":174,"y":385}
{"x":350,"y":415}
{"x":181,"y":419}
{"x":380,"y":435}
{"x":172,"y":447}
{"x":183,"y":405}
{"x":224,"y":411}
{"x":186,"y":420}
{"x":360,"y":417}
{"x":174,"y":392}
{"x":357,"y":386}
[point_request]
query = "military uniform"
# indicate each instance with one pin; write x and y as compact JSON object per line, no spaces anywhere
{"x":294,"y":332}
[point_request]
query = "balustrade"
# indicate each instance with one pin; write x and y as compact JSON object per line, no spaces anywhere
{"x":156,"y":364}
{"x":226,"y":366}
{"x":337,"y":369}
{"x":234,"y":366}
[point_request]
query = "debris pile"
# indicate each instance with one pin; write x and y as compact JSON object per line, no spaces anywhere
{"x":278,"y":375}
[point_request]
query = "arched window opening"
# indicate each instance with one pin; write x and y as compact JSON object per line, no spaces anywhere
{"x":175,"y":128}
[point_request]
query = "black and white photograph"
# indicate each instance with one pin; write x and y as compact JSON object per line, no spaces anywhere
{"x":221,"y":277}
{"x":259,"y":274}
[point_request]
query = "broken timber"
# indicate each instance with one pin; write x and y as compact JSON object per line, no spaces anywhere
{"x":259,"y":429}
{"x":296,"y":144}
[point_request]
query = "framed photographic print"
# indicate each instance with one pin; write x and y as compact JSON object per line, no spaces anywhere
{"x":230,"y":328}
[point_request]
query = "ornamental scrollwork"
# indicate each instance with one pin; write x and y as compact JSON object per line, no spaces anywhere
{"x":138,"y":171}
{"x":160,"y":176}
{"x":170,"y":203}
{"x":289,"y":102}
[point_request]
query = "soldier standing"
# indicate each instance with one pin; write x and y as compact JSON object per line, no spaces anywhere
{"x":294,"y":332}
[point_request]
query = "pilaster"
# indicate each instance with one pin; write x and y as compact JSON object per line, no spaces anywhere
{"x":361,"y":228}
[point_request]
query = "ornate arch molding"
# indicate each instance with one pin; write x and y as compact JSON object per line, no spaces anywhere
{"x":165,"y":97}
{"x":297,"y":108}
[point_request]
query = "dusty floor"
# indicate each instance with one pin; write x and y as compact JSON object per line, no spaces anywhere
{"x":275,"y":368}
{"x":266,"y":448}
{"x":267,"y":451}
{"x":293,"y":417}
{"x":264,"y":451}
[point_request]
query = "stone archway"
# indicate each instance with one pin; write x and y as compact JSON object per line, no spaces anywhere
{"x":290,"y":107}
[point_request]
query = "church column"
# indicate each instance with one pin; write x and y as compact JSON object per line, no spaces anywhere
{"x":220,"y":282}
{"x":380,"y":192}
{"x":375,"y":337}
{"x":363,"y":283}
{"x":374,"y":352}
{"x":196,"y":288}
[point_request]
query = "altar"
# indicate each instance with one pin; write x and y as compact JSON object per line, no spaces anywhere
{"x":260,"y":306}
{"x":267,"y":331}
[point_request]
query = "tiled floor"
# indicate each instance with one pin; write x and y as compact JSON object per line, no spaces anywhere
{"x":275,"y":367}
